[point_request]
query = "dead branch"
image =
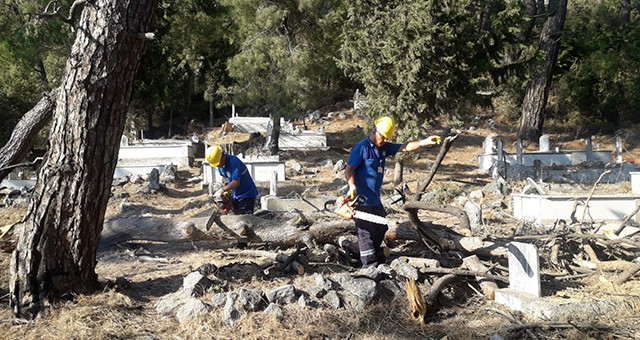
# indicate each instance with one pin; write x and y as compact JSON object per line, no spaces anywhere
{"x":413,"y":207}
{"x":593,"y":190}
{"x":23,"y":135}
{"x":53,"y":10}
{"x":437,"y":287}
{"x":626,"y":220}
{"x":562,"y":325}
{"x":627,"y":274}
{"x":487,"y":285}
{"x":446,"y":145}
{"x":461,"y":272}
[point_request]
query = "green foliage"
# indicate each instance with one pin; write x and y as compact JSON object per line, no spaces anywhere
{"x":286,"y":55}
{"x":183,"y":66}
{"x":424,"y":58}
{"x":599,"y":64}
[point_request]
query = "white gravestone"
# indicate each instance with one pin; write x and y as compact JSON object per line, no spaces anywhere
{"x":524,"y":268}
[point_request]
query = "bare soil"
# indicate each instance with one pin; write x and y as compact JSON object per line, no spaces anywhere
{"x":128,"y":311}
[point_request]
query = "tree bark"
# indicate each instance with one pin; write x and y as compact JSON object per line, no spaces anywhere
{"x":397,"y":173}
{"x":537,"y":92}
{"x":625,"y":11}
{"x":25,"y":133}
{"x":56,"y":251}
{"x":274,"y":135}
{"x":251,"y":228}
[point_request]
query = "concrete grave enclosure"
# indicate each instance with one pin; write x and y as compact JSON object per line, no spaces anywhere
{"x":580,"y":167}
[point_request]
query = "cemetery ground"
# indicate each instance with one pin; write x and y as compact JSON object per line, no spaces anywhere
{"x":138,"y":274}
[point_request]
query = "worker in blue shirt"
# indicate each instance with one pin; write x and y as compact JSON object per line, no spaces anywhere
{"x":364,"y":173}
{"x":238,"y":184}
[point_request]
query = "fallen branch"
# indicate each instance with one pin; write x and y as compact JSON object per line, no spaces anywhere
{"x":462,"y":272}
{"x":593,"y":190}
{"x":487,"y":285}
{"x":446,"y":145}
{"x":627,"y":274}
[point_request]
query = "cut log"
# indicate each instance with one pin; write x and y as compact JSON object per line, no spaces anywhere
{"x":276,"y":232}
{"x":446,"y":238}
{"x":487,"y":285}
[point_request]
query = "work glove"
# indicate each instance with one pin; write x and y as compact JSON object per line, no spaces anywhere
{"x":431,"y":140}
{"x":351,"y":194}
{"x":220,"y":193}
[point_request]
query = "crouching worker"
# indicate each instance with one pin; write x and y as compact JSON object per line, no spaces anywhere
{"x":238,"y":186}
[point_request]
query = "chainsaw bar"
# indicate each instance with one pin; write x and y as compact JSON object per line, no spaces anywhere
{"x":365,"y":216}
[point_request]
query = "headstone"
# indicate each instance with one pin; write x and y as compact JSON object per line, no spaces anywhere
{"x":273,"y":184}
{"x":524,"y":268}
{"x":544,"y":143}
{"x":618,"y":149}
{"x":589,"y":149}
{"x":519,"y":151}
{"x":499,"y":150}
{"x":488,"y":145}
{"x":154,"y":179}
{"x":124,"y":141}
{"x":537,"y":170}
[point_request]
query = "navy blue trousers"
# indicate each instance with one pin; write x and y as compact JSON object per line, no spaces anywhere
{"x":370,"y":237}
{"x":243,"y":206}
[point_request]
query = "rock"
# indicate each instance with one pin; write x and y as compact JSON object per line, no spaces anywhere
{"x":191,"y":308}
{"x":476,"y":196}
{"x":170,"y":302}
{"x":275,"y":310}
{"x":252,"y":299}
{"x":219,"y":299}
{"x":361,"y":287}
{"x":169,"y":174}
{"x":317,"y":292}
{"x":231,"y":314}
{"x":332,"y":299}
{"x":387,"y":290}
{"x":404,"y":269}
{"x":474,"y":211}
{"x":305,"y":302}
{"x":297,"y":168}
{"x":326,"y":163}
{"x":339,"y":166}
{"x":196,"y":284}
{"x":282,"y":295}
{"x":154,"y":180}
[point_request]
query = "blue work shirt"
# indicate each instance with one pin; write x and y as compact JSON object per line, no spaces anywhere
{"x":234,"y":169}
{"x":369,"y":164}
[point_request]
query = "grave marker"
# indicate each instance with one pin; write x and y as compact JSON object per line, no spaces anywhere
{"x":524,"y":268}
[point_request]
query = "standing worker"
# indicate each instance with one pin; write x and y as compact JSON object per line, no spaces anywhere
{"x":238,"y":184}
{"x":364,"y":173}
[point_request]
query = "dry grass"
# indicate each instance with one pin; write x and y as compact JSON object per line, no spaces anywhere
{"x":129,"y":313}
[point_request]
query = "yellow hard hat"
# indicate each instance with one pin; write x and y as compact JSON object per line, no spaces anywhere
{"x":213,"y":155}
{"x":385,"y":127}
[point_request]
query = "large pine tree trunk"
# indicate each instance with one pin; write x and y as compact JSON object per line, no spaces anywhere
{"x":537,"y":91}
{"x":274,"y":135}
{"x":56,"y":251}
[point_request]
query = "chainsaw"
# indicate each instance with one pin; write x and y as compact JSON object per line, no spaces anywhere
{"x":223,"y":202}
{"x":223,"y":206}
{"x":346,"y":207}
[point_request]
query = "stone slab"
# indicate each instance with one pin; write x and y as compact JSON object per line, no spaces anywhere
{"x":261,"y":170}
{"x":284,"y":204}
{"x":524,"y":268}
{"x":560,"y":309}
{"x":543,"y":209}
